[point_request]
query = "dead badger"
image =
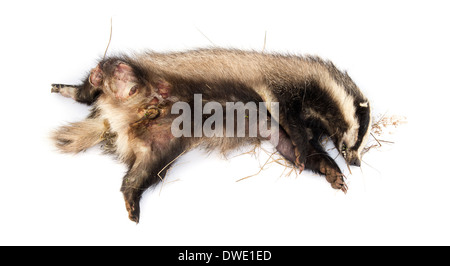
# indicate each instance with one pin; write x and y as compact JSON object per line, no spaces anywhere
{"x":133,"y":97}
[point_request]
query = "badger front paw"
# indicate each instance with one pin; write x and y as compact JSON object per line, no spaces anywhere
{"x":334,"y":177}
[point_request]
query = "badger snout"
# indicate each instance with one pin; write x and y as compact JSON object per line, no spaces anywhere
{"x":355,"y":162}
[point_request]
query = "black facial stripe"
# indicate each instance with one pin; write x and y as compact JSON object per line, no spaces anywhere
{"x":363,"y":116}
{"x":312,"y":96}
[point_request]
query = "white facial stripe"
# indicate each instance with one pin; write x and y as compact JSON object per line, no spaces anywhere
{"x":345,"y":104}
{"x":351,"y":136}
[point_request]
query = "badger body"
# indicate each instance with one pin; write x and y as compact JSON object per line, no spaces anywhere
{"x":133,"y":96}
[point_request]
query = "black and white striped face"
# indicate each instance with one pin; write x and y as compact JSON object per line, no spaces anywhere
{"x":355,"y":139}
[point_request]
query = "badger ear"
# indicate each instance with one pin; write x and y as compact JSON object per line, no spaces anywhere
{"x":365,"y":104}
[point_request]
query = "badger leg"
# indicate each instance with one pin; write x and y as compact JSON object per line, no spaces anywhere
{"x":286,"y":147}
{"x":316,"y":158}
{"x":79,"y":136}
{"x":134,"y":184}
{"x":83,"y":93}
{"x":147,"y":169}
{"x":293,"y":127}
{"x":69,"y":91}
{"x":87,"y":92}
{"x":293,"y":150}
{"x":320,"y":162}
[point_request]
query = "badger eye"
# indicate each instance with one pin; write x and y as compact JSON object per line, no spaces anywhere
{"x":133,"y":90}
{"x":344,"y":147}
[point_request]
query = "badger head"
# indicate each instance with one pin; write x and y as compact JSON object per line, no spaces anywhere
{"x":354,"y":139}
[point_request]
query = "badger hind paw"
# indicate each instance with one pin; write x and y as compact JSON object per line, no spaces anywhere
{"x":133,"y":210}
{"x":69,"y":91}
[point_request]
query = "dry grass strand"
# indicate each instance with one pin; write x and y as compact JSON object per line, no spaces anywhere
{"x":109,"y":42}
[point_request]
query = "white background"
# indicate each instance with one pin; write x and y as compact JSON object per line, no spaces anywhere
{"x":396,"y":51}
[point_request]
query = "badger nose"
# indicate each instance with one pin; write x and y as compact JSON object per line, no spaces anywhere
{"x":356,"y":162}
